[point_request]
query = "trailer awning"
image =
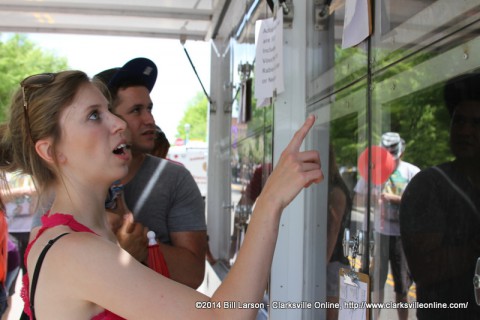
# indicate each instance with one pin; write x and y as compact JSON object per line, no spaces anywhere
{"x":188,"y":19}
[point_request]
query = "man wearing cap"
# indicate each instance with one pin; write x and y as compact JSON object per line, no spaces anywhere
{"x":386,"y":221}
{"x":162,"y":196}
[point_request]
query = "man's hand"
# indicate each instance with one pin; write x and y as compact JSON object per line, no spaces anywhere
{"x":132,"y":237}
{"x":390,"y":197}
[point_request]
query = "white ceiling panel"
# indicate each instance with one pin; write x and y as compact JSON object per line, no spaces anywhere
{"x":193,"y":19}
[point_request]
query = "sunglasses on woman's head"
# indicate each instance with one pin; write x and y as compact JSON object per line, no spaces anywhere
{"x":35,"y":81}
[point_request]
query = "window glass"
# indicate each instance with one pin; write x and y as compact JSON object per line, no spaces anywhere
{"x":329,"y":67}
{"x":251,"y":147}
{"x":417,"y":200}
{"x":432,"y":225}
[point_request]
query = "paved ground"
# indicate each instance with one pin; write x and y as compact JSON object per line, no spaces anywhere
{"x":389,"y":314}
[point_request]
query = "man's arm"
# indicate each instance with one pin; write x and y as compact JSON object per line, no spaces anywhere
{"x":186,"y":257}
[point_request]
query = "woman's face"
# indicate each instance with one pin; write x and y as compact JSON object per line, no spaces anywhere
{"x":93,"y":144}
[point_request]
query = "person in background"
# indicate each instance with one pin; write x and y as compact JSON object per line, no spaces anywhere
{"x":161,"y":146}
{"x":20,"y":208}
{"x":245,"y":205}
{"x":387,"y":224}
{"x":339,"y":217}
{"x":20,"y":201}
{"x":440,"y":212}
{"x":62,"y":132}
{"x":255,"y":185}
{"x":162,"y":196}
{"x":3,"y":258}
{"x":13,"y":269}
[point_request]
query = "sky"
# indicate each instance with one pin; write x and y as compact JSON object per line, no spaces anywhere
{"x":176,"y":83}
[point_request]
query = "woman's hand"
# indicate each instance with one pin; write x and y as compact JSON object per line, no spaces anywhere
{"x":295,"y":170}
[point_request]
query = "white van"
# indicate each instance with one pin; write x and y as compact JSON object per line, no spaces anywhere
{"x":194,"y":157}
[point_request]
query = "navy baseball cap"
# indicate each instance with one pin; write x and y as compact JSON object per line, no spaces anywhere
{"x":138,"y":70}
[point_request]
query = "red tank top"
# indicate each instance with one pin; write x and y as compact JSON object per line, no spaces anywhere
{"x":49,"y":221}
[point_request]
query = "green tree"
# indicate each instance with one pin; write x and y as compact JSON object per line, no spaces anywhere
{"x":20,"y":57}
{"x":419,"y":116}
{"x":196,"y":116}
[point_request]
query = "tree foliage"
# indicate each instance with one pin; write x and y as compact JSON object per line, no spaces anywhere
{"x":196,"y":116}
{"x":21,"y":57}
{"x":418,"y":114}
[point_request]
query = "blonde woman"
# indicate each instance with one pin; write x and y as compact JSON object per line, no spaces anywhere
{"x":62,"y":132}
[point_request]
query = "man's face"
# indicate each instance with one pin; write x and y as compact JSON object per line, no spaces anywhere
{"x":465,"y":130}
{"x":135,"y":107}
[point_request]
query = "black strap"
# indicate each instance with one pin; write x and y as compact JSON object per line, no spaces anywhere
{"x":37,"y":271}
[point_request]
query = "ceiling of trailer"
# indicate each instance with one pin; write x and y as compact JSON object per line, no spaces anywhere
{"x":193,"y":19}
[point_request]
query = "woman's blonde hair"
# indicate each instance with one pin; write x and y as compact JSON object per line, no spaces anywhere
{"x":19,"y":134}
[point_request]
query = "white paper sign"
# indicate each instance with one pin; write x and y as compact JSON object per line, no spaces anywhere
{"x":357,"y":24}
{"x":353,"y":296}
{"x":269,"y":58}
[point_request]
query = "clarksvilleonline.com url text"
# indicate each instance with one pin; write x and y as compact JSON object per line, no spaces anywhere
{"x":403,"y":305}
{"x":328,"y":305}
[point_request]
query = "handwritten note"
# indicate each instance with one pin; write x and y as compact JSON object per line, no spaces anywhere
{"x":269,"y":58}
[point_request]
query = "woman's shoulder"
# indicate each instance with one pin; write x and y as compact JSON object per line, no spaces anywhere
{"x":73,"y":268}
{"x":76,"y":254}
{"x":60,"y":236}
